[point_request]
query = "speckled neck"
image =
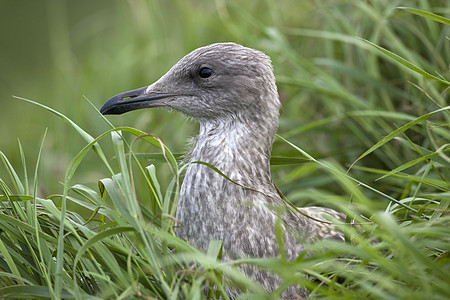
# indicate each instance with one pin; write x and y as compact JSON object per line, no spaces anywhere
{"x":237,"y":147}
{"x":211,"y":207}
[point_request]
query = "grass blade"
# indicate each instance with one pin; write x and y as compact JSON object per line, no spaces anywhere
{"x":406,"y":63}
{"x":397,"y":132}
{"x":427,"y":14}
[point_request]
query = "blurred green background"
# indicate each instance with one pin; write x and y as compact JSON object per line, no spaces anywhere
{"x":337,"y":91}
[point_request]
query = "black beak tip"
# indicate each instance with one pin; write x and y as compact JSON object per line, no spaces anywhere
{"x":118,"y":105}
{"x":132,"y":100}
{"x":103,"y":110}
{"x":112,"y":106}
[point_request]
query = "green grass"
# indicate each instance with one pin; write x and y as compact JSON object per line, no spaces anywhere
{"x":364,"y":129}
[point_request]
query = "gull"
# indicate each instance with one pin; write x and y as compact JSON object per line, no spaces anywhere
{"x":231,"y":91}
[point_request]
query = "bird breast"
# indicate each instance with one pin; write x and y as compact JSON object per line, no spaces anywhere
{"x":213,"y":207}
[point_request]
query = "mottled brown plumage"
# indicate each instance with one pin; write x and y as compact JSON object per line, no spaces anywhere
{"x":231,"y":91}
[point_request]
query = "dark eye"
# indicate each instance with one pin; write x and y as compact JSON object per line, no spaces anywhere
{"x":205,"y":72}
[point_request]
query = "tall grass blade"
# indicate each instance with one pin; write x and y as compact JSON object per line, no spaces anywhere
{"x":406,"y":63}
{"x":398,"y":131}
{"x":413,"y":163}
{"x":427,"y":14}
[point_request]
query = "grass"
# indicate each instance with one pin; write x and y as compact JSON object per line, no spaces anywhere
{"x":364,"y":129}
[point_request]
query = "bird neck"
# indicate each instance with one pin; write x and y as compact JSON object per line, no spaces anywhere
{"x":211,"y":207}
{"x":239,"y":147}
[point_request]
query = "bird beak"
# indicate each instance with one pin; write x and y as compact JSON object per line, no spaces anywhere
{"x":132,"y":100}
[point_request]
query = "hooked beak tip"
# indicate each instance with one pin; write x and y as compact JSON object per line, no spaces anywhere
{"x":132,"y":100}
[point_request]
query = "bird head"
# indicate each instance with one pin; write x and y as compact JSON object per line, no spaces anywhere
{"x":215,"y":81}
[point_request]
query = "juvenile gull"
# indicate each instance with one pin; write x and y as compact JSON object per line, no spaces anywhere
{"x":231,"y":91}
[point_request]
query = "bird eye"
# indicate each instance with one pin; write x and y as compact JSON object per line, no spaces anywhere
{"x":205,"y":72}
